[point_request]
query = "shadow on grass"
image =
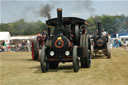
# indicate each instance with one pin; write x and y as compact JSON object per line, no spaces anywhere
{"x":63,"y":68}
{"x":31,"y":60}
{"x":66,"y":68}
{"x":99,"y":57}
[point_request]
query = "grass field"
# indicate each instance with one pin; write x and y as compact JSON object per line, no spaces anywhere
{"x":17,"y":68}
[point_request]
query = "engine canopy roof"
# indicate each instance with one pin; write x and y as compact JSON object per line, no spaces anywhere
{"x":66,"y":21}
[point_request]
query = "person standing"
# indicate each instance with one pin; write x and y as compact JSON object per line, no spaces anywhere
{"x":4,"y":44}
{"x":39,"y":39}
{"x":43,"y":38}
{"x":23,"y":45}
{"x":83,"y":29}
{"x":104,"y":33}
{"x":28,"y":45}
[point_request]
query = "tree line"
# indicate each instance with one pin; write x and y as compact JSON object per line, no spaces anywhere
{"x":21,"y":27}
{"x":111,"y":24}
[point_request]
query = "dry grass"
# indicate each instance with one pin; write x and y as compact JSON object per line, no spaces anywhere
{"x":19,"y":69}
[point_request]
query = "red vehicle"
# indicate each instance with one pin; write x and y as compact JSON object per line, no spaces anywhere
{"x":37,"y":44}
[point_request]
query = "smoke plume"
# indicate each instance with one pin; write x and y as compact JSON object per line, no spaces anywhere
{"x":121,"y":25}
{"x":45,"y":11}
{"x":88,"y":5}
{"x":85,"y":5}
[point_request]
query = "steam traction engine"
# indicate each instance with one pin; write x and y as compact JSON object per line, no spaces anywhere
{"x":101,"y":43}
{"x":37,"y":44}
{"x":65,"y":44}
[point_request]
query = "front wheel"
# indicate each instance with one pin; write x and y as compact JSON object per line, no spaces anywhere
{"x":108,"y":51}
{"x":43,"y":60}
{"x":92,"y":51}
{"x":75,"y":60}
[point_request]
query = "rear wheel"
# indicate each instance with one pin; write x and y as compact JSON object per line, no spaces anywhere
{"x":77,"y":35}
{"x":86,"y":58}
{"x":81,"y":40}
{"x":75,"y":60}
{"x":35,"y":50}
{"x":43,"y":60}
{"x":108,"y":51}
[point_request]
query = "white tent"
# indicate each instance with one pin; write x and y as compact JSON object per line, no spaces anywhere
{"x":126,"y":37}
{"x":22,"y":37}
{"x":5,"y":36}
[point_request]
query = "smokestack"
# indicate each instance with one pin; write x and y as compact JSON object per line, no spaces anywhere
{"x":59,"y":18}
{"x":99,"y":28}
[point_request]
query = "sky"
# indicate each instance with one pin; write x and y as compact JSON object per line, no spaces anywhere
{"x":13,"y":10}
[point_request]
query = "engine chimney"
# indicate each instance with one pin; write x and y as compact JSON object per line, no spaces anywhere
{"x":59,"y":18}
{"x":99,"y":28}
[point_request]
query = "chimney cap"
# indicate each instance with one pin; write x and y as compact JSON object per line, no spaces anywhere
{"x":59,"y":9}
